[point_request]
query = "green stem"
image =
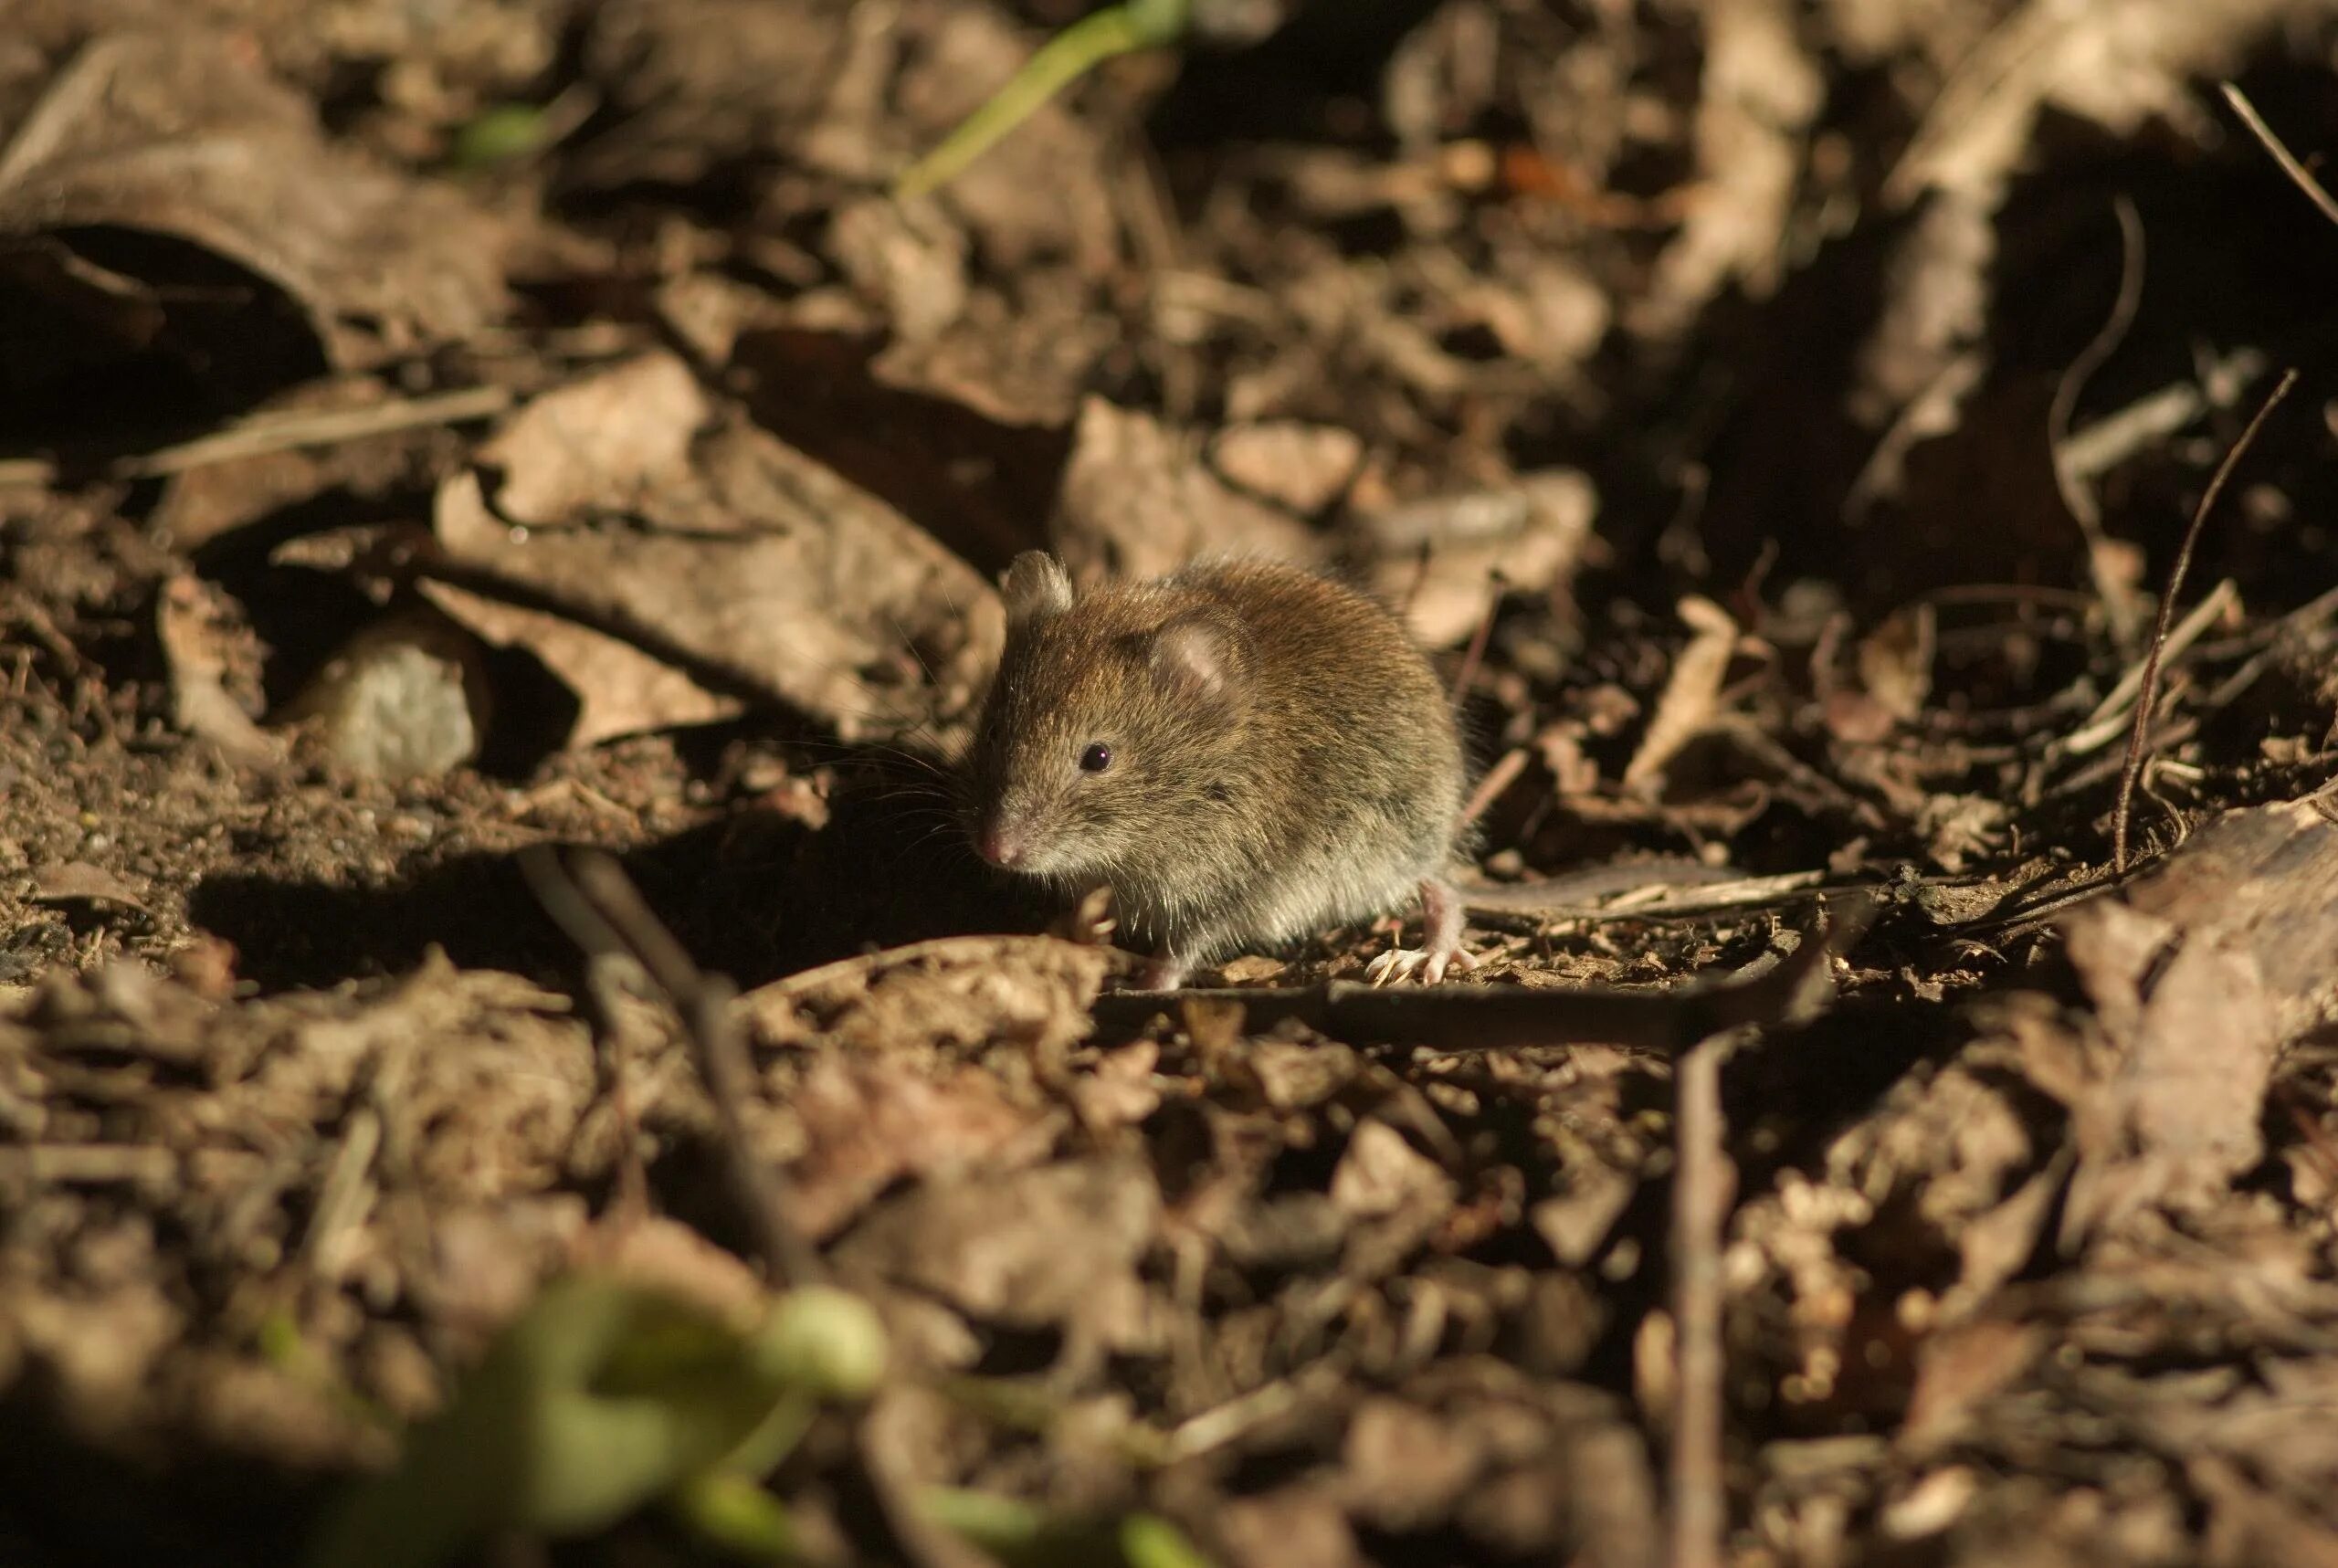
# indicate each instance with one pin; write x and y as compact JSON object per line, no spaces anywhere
{"x":1061,"y":61}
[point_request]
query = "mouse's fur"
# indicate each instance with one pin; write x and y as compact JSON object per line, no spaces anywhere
{"x":1283,"y":758}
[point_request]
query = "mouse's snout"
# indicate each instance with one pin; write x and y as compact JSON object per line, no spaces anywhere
{"x":998,"y":842}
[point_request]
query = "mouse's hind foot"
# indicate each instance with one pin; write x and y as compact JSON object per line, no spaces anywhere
{"x":1440,"y":948}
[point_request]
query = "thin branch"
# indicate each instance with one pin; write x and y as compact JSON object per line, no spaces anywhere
{"x":2297,"y":171}
{"x":1476,"y":653}
{"x":2117,"y":601}
{"x":1703,"y":1184}
{"x":2147,"y":694}
{"x":590,"y":898}
{"x":284,"y":431}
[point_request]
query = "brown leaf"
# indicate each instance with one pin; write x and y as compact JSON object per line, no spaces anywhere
{"x":620,"y":689}
{"x":406,"y":697}
{"x":1301,"y":468}
{"x":1138,"y":502}
{"x":1381,"y":1173}
{"x":1405,"y":1467}
{"x":2203,"y":972}
{"x":738,"y":556}
{"x":1038,"y":1247}
{"x":1120,"y":1091}
{"x":196,"y":648}
{"x":1300,"y":1526}
{"x":1527,"y":537}
{"x":79,"y":882}
{"x":1957,"y":1373}
{"x":867,"y":1124}
{"x":175,"y":134}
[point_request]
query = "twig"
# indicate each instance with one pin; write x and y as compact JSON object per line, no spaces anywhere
{"x":2117,"y":601}
{"x":1498,"y":1017}
{"x":1499,"y":777}
{"x":2297,"y":171}
{"x":281,"y":432}
{"x":2147,"y":693}
{"x":590,"y":898}
{"x":1702,"y":1187}
{"x":2112,"y":715}
{"x":2117,"y":437}
{"x":1475,"y":654}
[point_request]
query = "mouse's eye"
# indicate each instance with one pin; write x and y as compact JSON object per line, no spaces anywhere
{"x":1096,"y":758}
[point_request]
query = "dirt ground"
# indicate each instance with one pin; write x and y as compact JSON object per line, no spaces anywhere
{"x":1881,"y":447}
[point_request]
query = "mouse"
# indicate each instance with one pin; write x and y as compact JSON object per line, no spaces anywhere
{"x":1246,"y":752}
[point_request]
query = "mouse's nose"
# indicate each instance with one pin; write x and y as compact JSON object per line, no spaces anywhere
{"x":998,"y":844}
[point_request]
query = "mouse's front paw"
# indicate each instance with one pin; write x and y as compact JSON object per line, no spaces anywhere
{"x":1427,"y":964}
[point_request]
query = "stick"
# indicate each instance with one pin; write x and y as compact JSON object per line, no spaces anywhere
{"x":1702,"y":1189}
{"x":2117,"y":603}
{"x":2287,"y":160}
{"x":2147,"y":696}
{"x":590,"y":898}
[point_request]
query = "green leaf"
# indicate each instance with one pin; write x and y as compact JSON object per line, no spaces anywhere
{"x":734,"y":1512}
{"x":499,"y":135}
{"x":598,"y":1399}
{"x":1022,"y":1535}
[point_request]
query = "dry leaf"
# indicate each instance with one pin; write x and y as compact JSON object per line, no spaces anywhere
{"x":629,"y":501}
{"x":620,"y":689}
{"x":2203,"y":972}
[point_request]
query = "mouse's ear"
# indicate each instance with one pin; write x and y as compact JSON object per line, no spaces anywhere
{"x":1036,"y":586}
{"x":1198,"y":655}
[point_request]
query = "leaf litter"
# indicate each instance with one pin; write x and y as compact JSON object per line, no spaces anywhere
{"x":1779,"y":421}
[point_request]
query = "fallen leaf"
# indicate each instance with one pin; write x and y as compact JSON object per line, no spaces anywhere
{"x":174,"y":133}
{"x":79,"y":882}
{"x":1040,"y":1248}
{"x":195,"y":648}
{"x":735,"y":557}
{"x":1381,"y":1173}
{"x":1138,"y":502}
{"x":2202,"y":972}
{"x":619,"y":689}
{"x":867,"y":1124}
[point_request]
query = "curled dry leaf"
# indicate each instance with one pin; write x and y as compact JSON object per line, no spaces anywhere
{"x":198,"y":650}
{"x":2204,"y":971}
{"x":1298,"y":467}
{"x":79,"y":882}
{"x":629,"y":501}
{"x":405,"y":698}
{"x":1298,"y":1526}
{"x":696,"y":85}
{"x":1405,"y":1465}
{"x":1691,"y":696}
{"x":1381,"y":1173}
{"x":1041,"y":189}
{"x":178,"y":137}
{"x":2118,"y":65}
{"x":906,"y":259}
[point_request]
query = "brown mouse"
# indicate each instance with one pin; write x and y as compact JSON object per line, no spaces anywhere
{"x":1245,"y":752}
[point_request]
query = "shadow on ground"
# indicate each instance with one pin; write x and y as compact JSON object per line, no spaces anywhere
{"x":756,"y":896}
